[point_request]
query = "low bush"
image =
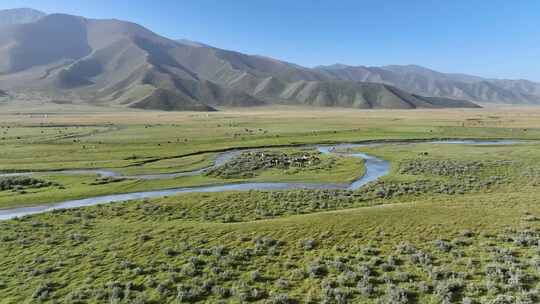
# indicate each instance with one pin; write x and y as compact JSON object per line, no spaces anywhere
{"x":20,"y":183}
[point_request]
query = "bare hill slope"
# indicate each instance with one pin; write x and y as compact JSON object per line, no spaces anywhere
{"x":424,"y":81}
{"x":118,"y":63}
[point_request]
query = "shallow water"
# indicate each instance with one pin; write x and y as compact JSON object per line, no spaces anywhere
{"x":375,"y":168}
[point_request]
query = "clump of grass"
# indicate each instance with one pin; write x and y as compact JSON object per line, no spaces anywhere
{"x":21,"y":183}
{"x":438,"y":249}
{"x":107,"y":180}
{"x":261,"y":267}
{"x":249,"y":164}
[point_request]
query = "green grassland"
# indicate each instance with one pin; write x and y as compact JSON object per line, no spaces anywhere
{"x":449,"y":224}
{"x":97,"y":141}
{"x":144,"y":143}
{"x":341,"y":170}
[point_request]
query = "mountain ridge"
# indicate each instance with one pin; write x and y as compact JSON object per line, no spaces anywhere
{"x":118,"y":63}
{"x":421,"y":80}
{"x":19,"y":16}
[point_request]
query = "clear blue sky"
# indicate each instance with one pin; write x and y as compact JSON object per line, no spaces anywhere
{"x":492,"y":38}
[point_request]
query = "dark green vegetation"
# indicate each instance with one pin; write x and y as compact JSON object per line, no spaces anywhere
{"x":22,"y":183}
{"x":459,"y":177}
{"x":248,"y":164}
{"x":106,"y":180}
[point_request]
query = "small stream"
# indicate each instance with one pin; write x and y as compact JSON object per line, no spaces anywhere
{"x":375,"y":168}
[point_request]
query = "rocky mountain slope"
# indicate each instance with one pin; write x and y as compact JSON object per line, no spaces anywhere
{"x":424,"y":81}
{"x":117,"y":63}
{"x":19,"y":16}
{"x":105,"y":62}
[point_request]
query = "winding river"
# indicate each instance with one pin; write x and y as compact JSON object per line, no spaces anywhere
{"x":374,"y":169}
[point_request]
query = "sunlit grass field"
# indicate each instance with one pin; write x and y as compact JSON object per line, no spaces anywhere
{"x":449,"y":224}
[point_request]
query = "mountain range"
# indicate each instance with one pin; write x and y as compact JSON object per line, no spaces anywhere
{"x":19,"y":16}
{"x":420,"y":80}
{"x":70,"y":59}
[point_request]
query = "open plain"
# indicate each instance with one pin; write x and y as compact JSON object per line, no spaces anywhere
{"x":269,"y":152}
{"x":447,"y":224}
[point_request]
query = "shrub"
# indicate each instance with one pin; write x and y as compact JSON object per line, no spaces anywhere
{"x":187,"y":293}
{"x":341,"y":295}
{"x":19,"y":183}
{"x":308,"y":244}
{"x":226,"y":275}
{"x":125,"y":264}
{"x":255,"y":276}
{"x":421,"y":258}
{"x":248,"y":164}
{"x":138,"y":271}
{"x":299,"y":274}
{"x":317,"y":270}
{"x":116,"y":294}
{"x":162,"y":289}
{"x":466,"y":300}
{"x":43,"y":291}
{"x":365,"y":288}
{"x":446,"y":290}
{"x":387,"y":267}
{"x":503,"y":299}
{"x":363,"y":271}
{"x":347,"y":278}
{"x":256,"y":294}
{"x":401,"y":276}
{"x":443,"y":246}
{"x":139,"y":299}
{"x":189,"y":270}
{"x":281,"y":283}
{"x":221,"y":291}
{"x":423,"y":287}
{"x":467,"y":233}
{"x":77,"y":296}
{"x":338,"y":265}
{"x":396,"y":295}
{"x":405,"y":248}
{"x":280,"y":299}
